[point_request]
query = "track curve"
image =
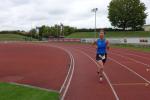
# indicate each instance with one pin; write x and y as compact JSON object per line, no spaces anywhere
{"x":129,"y":80}
{"x":34,"y":64}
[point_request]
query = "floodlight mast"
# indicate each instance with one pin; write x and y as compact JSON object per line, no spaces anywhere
{"x":62,"y":29}
{"x":95,"y":11}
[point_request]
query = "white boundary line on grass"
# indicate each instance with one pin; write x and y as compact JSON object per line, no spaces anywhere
{"x":72,"y":64}
{"x":34,"y":87}
{"x":108,"y":80}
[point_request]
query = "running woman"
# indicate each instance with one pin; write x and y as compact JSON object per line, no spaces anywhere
{"x":102,"y":46}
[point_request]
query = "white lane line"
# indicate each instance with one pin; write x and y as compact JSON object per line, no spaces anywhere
{"x":138,"y":56}
{"x":147,"y":65}
{"x":64,"y":88}
{"x":66,"y":84}
{"x":126,"y":53}
{"x":130,"y":84}
{"x":130,"y":70}
{"x":108,"y":80}
{"x":73,"y":64}
{"x":134,"y":55}
{"x":70,"y":66}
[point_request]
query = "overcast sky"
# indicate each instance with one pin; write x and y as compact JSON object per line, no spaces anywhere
{"x":26,"y":14}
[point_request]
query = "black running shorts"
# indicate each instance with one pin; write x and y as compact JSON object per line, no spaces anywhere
{"x":102,"y":57}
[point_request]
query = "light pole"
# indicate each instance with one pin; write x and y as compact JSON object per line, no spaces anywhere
{"x":62,"y":29}
{"x":38,"y":32}
{"x":95,"y":11}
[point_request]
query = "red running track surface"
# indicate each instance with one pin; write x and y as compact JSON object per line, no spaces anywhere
{"x":125,"y":70}
{"x":33,"y":64}
{"x":129,"y":77}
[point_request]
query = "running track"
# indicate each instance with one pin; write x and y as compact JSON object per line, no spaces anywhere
{"x":126,"y":77}
{"x":33,"y":64}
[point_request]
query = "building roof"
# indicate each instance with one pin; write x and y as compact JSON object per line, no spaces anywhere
{"x":147,"y":25}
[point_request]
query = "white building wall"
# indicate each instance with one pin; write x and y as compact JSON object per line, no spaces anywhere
{"x":140,"y":41}
{"x":146,"y":28}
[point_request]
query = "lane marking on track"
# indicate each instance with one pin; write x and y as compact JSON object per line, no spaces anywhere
{"x":136,"y":55}
{"x":139,"y":56}
{"x":126,"y":67}
{"x":147,"y":65}
{"x":130,"y":84}
{"x":108,"y":80}
{"x":62,"y":87}
{"x":66,"y":84}
{"x":64,"y":94}
{"x":68,"y":79}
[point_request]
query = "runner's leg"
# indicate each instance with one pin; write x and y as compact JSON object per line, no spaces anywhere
{"x":100,"y":70}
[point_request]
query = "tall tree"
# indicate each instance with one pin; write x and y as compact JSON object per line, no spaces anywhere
{"x":127,"y":14}
{"x":41,"y":31}
{"x":46,"y":31}
{"x":33,"y":32}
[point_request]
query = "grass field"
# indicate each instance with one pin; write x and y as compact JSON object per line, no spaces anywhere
{"x":133,"y":47}
{"x":16,"y":92}
{"x":110,"y":34}
{"x":13,"y":37}
{"x":126,"y":46}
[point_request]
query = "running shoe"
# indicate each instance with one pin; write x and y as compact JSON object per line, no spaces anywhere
{"x":101,"y":79}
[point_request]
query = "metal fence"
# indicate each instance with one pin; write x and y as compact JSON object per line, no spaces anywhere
{"x":139,"y":41}
{"x":64,"y":40}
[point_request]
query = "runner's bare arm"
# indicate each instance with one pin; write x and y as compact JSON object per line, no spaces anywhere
{"x":94,"y":44}
{"x":108,"y":45}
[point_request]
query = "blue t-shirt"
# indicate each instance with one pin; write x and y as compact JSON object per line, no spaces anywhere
{"x":101,"y":46}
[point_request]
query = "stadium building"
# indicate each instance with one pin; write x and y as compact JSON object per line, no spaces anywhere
{"x":146,"y":27}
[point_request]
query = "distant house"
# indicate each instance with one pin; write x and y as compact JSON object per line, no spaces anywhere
{"x":146,"y":27}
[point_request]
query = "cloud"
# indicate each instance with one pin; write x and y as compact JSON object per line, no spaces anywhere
{"x":26,"y":14}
